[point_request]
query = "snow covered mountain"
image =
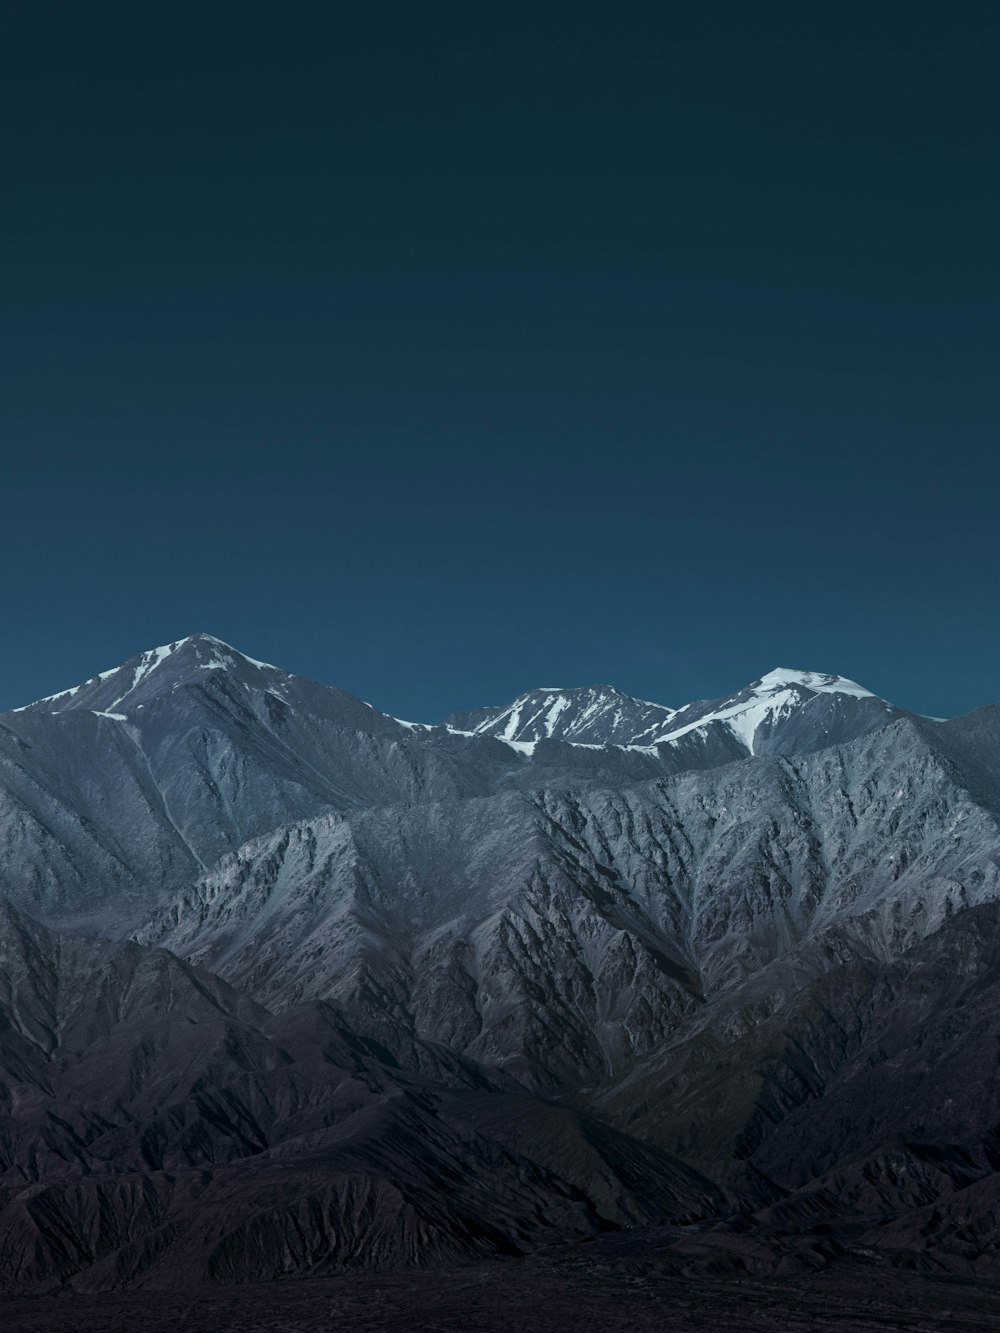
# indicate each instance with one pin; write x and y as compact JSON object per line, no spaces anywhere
{"x":341,"y":953}
{"x":141,"y":777}
{"x":119,"y":790}
{"x":143,"y":680}
{"x":591,"y":715}
{"x":784,"y":711}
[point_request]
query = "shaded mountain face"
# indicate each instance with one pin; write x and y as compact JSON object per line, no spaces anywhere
{"x":158,"y":1128}
{"x":863,"y":1086}
{"x":287,"y":984}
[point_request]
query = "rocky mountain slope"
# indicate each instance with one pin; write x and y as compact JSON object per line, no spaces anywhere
{"x":115,"y":792}
{"x":287,"y":984}
{"x":158,"y":1126}
{"x":561,"y":934}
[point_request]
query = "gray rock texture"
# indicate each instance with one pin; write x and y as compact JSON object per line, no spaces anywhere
{"x":288,"y":985}
{"x":157,"y":1126}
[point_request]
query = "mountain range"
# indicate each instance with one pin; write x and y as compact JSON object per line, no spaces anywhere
{"x":288,"y":985}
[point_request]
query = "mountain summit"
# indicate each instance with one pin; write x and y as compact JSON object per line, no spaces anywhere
{"x":589,"y":715}
{"x":152,"y":673}
{"x":351,"y":964}
{"x":785,"y":710}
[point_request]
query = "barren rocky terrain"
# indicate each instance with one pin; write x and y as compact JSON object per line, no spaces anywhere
{"x":682,"y":1017}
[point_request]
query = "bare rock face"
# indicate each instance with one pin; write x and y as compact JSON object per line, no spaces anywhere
{"x":288,"y":985}
{"x":158,"y":1126}
{"x":562,"y":934}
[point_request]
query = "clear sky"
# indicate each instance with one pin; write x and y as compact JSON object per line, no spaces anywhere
{"x":439,"y":352}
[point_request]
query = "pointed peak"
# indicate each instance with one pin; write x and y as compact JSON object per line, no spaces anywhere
{"x":773,"y":700}
{"x":209,"y":646}
{"x":153,"y":671}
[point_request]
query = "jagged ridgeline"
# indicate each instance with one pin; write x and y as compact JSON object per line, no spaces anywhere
{"x":288,"y":985}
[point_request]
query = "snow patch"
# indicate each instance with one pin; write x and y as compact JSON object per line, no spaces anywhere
{"x":815,"y":681}
{"x":522,"y":747}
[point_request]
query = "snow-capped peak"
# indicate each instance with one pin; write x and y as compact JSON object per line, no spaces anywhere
{"x":784,"y":710}
{"x":816,"y":681}
{"x":775,"y":698}
{"x":588,"y":714}
{"x":218,"y":653}
{"x":110,"y":690}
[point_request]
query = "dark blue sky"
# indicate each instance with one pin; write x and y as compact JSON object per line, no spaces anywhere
{"x":441,"y":352}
